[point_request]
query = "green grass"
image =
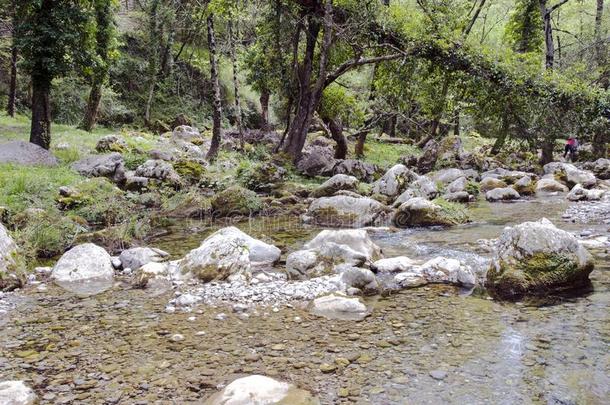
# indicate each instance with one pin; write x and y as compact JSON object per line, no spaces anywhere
{"x":385,"y":154}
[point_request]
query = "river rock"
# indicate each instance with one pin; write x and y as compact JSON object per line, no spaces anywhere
{"x":328,"y":248}
{"x":261,"y":390}
{"x":16,"y":393}
{"x":423,"y":186}
{"x":421,"y":212}
{"x":236,"y":201}
{"x":445,"y":270}
{"x":502,"y":194}
{"x":537,"y":258}
{"x":358,"y":278}
{"x":410,"y":279}
{"x":447,"y":176}
{"x":459,"y":197}
{"x":346,"y":211}
{"x":338,"y":306}
{"x":550,"y":186}
{"x":579,"y":193}
{"x":336,"y":183}
{"x":84,"y":269}
{"x":8,"y":251}
{"x":316,"y":160}
{"x":570,"y":174}
{"x":393,"y":265}
{"x":259,"y":252}
{"x":457,"y":185}
{"x":525,"y":186}
{"x":110,"y":165}
{"x":222,"y":255}
{"x":601,"y":168}
{"x":394,"y":181}
{"x":137,"y":257}
{"x":26,"y":153}
{"x":490,"y":183}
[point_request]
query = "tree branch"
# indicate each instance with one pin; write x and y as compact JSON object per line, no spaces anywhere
{"x":342,"y":69}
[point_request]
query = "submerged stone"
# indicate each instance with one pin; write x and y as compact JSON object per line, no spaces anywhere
{"x":337,"y":306}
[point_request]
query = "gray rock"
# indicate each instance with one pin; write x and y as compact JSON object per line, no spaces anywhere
{"x":85,"y":269}
{"x":16,"y":393}
{"x":502,"y":194}
{"x":393,"y":265}
{"x":363,"y":280}
{"x":490,"y":183}
{"x":111,"y":143}
{"x":601,"y":168}
{"x":394,"y":181}
{"x":424,"y":187}
{"x":111,"y":166}
{"x":345,"y":211}
{"x":421,"y":212}
{"x":336,"y":183}
{"x":8,"y":251}
{"x":457,"y":185}
{"x":135,"y":183}
{"x":337,"y":306}
{"x":361,"y":170}
{"x":258,"y":389}
{"x":579,"y":193}
{"x":135,"y":258}
{"x":316,"y":160}
{"x":525,"y":186}
{"x":438,"y":374}
{"x":158,"y":169}
{"x":26,"y":153}
{"x":259,"y":252}
{"x":185,"y":133}
{"x":447,"y":176}
{"x":550,"y":186}
{"x":220,"y":256}
{"x":537,"y":258}
{"x":461,"y":197}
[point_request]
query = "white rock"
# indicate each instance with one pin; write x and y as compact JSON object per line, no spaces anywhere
{"x":345,"y":211}
{"x":337,"y":306}
{"x":137,"y":257}
{"x":261,"y":390}
{"x":16,"y":393}
{"x":394,"y":181}
{"x":502,"y":194}
{"x":336,"y":183}
{"x":8,"y":251}
{"x":550,"y":186}
{"x":354,"y":246}
{"x":87,"y":263}
{"x":258,"y":251}
{"x":394,"y":265}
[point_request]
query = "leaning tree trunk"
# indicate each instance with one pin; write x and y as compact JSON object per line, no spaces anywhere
{"x":217,"y":110}
{"x":12,"y":93}
{"x":93,"y":106}
{"x":40,"y":133}
{"x":548,"y":145}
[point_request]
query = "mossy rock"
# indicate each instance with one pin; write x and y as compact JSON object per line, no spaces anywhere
{"x":537,"y":275}
{"x":421,"y":212}
{"x":189,"y":170}
{"x":235,"y":201}
{"x":187,"y":205}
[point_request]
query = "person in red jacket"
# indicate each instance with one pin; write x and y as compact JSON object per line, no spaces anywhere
{"x":571,"y":148}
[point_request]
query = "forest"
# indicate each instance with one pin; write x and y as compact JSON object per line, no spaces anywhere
{"x":304,"y":202}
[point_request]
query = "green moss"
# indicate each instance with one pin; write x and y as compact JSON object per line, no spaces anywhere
{"x":190,"y":204}
{"x":133,"y":160}
{"x":330,"y":216}
{"x":473,"y":188}
{"x":189,"y":170}
{"x":454,"y":213}
{"x":236,"y":200}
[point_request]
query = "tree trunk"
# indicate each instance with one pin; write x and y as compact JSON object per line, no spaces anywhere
{"x":310,"y":93}
{"x":40,"y":133}
{"x":240,"y":127}
{"x":264,"y":100}
{"x":501,"y":139}
{"x":549,"y":54}
{"x":12,"y":93}
{"x":599,"y":43}
{"x":359,"y":148}
{"x":217,"y":111}
{"x":548,"y":146}
{"x":93,"y":106}
{"x":336,"y":132}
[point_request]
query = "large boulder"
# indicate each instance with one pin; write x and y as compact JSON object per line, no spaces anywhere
{"x":421,"y":212}
{"x":601,"y":168}
{"x":84,"y":269}
{"x":438,"y":270}
{"x":346,"y":211}
{"x":222,"y":255}
{"x":447,"y":176}
{"x":490,"y":183}
{"x":393,"y":265}
{"x":259,"y":252}
{"x":338,"y":306}
{"x":336,"y":183}
{"x":537,"y":258}
{"x":8,"y":261}
{"x":26,"y":153}
{"x":458,"y":185}
{"x":320,"y":255}
{"x":579,"y":193}
{"x":525,"y":186}
{"x":570,"y":174}
{"x":394,"y":181}
{"x":361,"y":170}
{"x":137,"y":257}
{"x":159,"y":170}
{"x":548,"y":185}
{"x":357,"y":280}
{"x":235,"y":201}
{"x":316,"y":160}
{"x":16,"y":393}
{"x":110,"y":165}
{"x":502,"y":194}
{"x":261,"y":390}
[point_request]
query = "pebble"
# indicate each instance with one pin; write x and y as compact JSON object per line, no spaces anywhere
{"x":438,"y":374}
{"x":177,"y":337}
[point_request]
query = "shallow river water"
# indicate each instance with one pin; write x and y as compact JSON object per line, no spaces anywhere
{"x":436,"y":344}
